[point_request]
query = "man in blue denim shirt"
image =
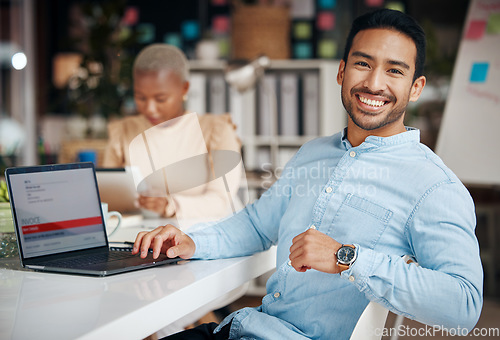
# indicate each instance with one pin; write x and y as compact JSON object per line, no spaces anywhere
{"x":353,"y":204}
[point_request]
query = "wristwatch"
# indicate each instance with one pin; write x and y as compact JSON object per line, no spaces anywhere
{"x":346,"y":255}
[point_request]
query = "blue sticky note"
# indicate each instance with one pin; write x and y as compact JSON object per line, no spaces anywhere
{"x":479,"y":72}
{"x":190,"y":29}
{"x":327,"y":4}
{"x":302,"y":50}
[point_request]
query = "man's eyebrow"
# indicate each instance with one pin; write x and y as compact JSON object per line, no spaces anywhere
{"x":392,"y":62}
{"x":361,"y":54}
{"x":399,"y":63}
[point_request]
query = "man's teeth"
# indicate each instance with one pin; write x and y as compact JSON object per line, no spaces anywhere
{"x":370,"y":102}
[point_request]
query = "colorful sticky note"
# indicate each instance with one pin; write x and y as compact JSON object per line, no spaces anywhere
{"x":125,"y":33}
{"x":327,"y":4}
{"x":325,"y":21}
{"x":493,"y":24}
{"x":327,"y":48}
{"x":219,"y":2}
{"x":173,"y":39}
{"x":224,"y":47}
{"x":190,"y":29}
{"x":146,"y":33}
{"x":395,"y":5}
{"x":220,"y":24}
{"x":302,"y":50}
{"x":479,"y":72}
{"x":374,"y":3}
{"x":476,"y":30}
{"x":302,"y":30}
{"x":131,"y":16}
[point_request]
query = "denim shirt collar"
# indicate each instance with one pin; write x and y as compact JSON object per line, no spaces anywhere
{"x":411,"y":135}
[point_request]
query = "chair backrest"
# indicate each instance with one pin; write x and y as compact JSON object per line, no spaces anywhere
{"x":371,"y":323}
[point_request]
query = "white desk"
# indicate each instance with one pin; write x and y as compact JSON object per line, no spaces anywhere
{"x":125,"y":306}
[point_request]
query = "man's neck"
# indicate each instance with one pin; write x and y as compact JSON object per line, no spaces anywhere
{"x":356,"y":135}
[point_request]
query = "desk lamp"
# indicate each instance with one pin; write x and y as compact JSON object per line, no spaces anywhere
{"x":244,"y":77}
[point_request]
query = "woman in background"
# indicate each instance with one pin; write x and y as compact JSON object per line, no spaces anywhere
{"x":159,"y":136}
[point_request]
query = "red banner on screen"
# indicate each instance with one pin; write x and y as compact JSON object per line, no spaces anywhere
{"x":81,"y":222}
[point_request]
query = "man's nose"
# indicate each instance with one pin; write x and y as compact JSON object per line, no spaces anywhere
{"x":375,"y":80}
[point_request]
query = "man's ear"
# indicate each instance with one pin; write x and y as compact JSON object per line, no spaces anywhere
{"x":340,"y":74}
{"x":416,"y":88}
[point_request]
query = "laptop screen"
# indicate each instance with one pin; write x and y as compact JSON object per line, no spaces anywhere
{"x":56,"y":208}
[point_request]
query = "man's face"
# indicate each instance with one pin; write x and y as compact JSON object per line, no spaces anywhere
{"x":377,"y":80}
{"x":159,"y":95}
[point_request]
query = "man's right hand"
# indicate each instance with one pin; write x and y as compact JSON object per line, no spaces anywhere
{"x":167,"y":240}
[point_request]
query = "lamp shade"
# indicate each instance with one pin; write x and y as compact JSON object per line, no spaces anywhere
{"x":244,"y":77}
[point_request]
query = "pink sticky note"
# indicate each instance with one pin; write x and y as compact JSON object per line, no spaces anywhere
{"x":476,"y":30}
{"x":325,"y":21}
{"x":219,"y":2}
{"x":220,"y":24}
{"x":131,"y":16}
{"x":374,"y":3}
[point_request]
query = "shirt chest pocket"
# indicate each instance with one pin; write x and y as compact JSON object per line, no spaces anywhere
{"x":360,"y":221}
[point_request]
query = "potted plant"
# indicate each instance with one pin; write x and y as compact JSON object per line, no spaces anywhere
{"x":8,"y":243}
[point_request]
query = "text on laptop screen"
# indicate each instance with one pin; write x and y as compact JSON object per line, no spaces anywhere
{"x":57,"y":211}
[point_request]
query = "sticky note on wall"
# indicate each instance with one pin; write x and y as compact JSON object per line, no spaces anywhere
{"x":327,"y":48}
{"x":221,"y":24}
{"x":493,"y":24}
{"x":374,"y":3}
{"x":302,"y":50}
{"x":325,"y":21}
{"x":395,"y":5}
{"x":173,"y":39}
{"x":146,"y":33}
{"x":302,"y":30}
{"x":190,"y":29}
{"x":479,"y":72}
{"x":476,"y":29}
{"x":327,"y":4}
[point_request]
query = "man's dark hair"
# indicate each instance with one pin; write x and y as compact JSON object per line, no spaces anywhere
{"x":395,"y":20}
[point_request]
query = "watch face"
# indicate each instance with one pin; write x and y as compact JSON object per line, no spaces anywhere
{"x":345,"y":255}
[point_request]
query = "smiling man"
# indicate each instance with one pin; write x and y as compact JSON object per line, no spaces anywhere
{"x":375,"y":194}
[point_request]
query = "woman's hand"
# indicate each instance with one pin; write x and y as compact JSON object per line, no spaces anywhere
{"x":155,"y":204}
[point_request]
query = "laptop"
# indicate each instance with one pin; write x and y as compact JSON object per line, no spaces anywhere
{"x":59,"y":223}
{"x":117,"y":188}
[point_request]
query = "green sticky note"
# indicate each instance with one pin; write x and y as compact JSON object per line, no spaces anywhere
{"x":395,"y":5}
{"x":302,"y":30}
{"x":493,"y":26}
{"x":224,"y":47}
{"x":327,"y":48}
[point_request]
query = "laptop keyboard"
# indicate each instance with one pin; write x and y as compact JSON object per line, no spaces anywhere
{"x":90,"y":259}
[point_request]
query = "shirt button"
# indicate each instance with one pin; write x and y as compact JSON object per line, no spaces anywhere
{"x":352,"y":154}
{"x":312,"y":227}
{"x":289,"y":262}
{"x":329,"y":190}
{"x":351,"y":278}
{"x":277,"y":295}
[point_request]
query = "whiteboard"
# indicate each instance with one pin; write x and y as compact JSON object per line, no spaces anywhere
{"x":469,"y":137}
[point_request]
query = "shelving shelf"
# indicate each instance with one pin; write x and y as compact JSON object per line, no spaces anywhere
{"x":301,"y":102}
